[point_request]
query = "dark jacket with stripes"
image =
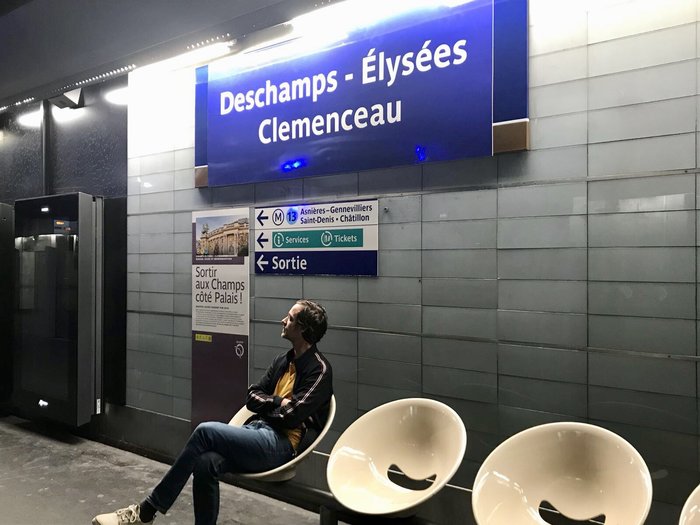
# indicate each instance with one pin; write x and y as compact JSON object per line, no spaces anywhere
{"x":311,"y":394}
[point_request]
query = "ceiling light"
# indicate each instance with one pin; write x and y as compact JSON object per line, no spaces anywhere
{"x":69,"y":99}
{"x":119,"y":96}
{"x":194,"y":57}
{"x":30,"y":120}
{"x":65,"y":115}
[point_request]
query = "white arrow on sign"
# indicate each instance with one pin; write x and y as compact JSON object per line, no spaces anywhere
{"x":261,"y":262}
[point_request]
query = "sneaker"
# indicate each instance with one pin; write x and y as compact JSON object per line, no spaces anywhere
{"x":128,"y":515}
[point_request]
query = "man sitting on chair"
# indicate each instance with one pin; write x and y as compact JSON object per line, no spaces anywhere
{"x":291,"y":402}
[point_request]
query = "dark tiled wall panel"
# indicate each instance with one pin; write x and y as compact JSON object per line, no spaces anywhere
{"x":86,"y":154}
{"x":20,"y":157}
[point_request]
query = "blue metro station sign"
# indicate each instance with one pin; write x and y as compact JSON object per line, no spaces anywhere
{"x":429,"y":85}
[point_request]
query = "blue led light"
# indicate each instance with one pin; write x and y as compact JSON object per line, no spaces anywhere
{"x":421,"y":155}
{"x":292,"y":165}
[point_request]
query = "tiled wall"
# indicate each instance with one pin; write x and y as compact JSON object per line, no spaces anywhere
{"x":554,"y":284}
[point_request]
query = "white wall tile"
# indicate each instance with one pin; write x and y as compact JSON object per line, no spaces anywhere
{"x":184,"y":159}
{"x":560,"y":27}
{"x":395,"y":210}
{"x":644,"y":85}
{"x":157,"y":202}
{"x":183,"y":179}
{"x":642,"y":155}
{"x":133,"y":168}
{"x":643,"y":194}
{"x":133,"y":204}
{"x":558,"y":67}
{"x":458,"y":234}
{"x":133,"y":186}
{"x":542,"y":200}
{"x":156,"y":223}
{"x":459,"y":205}
{"x":546,"y":164}
{"x":157,"y":163}
{"x":541,"y":11}
{"x":557,"y":99}
{"x":649,"y":49}
{"x":183,"y":136}
{"x":557,"y":131}
{"x":643,"y":120}
{"x":542,"y":232}
{"x":607,"y":22}
{"x":156,"y":182}
{"x":156,"y":243}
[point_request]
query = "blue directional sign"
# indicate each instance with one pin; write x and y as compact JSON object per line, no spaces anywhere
{"x":363,"y":262}
{"x":337,"y":238}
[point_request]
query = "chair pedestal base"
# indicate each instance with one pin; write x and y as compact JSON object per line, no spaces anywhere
{"x":328,"y":516}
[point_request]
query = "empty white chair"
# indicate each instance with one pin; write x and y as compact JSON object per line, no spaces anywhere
{"x":424,"y":439}
{"x":583,"y":470}
{"x":690,"y":515}
{"x":288,"y":470}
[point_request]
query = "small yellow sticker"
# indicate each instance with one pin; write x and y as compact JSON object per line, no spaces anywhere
{"x":206,"y":338}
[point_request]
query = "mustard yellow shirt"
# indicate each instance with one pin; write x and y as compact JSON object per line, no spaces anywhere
{"x":284,"y":389}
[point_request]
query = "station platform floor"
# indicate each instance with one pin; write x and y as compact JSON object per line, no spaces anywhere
{"x":55,"y":478}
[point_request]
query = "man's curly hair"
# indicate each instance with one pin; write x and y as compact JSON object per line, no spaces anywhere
{"x":312,"y":320}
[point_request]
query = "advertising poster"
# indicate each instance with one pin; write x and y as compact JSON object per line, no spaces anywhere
{"x":220,"y":313}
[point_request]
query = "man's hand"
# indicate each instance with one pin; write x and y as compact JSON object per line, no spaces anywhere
{"x":284,"y":402}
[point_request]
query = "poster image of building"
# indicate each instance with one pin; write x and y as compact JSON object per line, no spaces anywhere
{"x":221,"y":237}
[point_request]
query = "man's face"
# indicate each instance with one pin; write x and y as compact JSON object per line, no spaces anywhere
{"x":290,"y":329}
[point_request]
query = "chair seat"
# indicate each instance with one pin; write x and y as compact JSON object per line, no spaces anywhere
{"x":583,"y":470}
{"x":421,"y":437}
{"x":690,"y":515}
{"x":288,"y":470}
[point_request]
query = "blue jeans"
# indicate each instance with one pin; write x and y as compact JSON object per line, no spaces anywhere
{"x":215,"y":448}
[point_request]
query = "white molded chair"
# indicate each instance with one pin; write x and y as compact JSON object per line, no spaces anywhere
{"x":582,"y":470}
{"x":288,"y":470}
{"x":422,"y":437}
{"x":690,"y":515}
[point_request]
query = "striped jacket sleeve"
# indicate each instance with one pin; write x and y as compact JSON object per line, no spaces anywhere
{"x":260,"y":399}
{"x":312,"y":391}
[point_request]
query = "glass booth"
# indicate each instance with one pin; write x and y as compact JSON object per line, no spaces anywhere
{"x":57,"y":351}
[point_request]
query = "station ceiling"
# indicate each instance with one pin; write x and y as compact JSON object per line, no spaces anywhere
{"x":46,"y":45}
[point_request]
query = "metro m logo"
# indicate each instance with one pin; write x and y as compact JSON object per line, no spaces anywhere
{"x":278,"y":217}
